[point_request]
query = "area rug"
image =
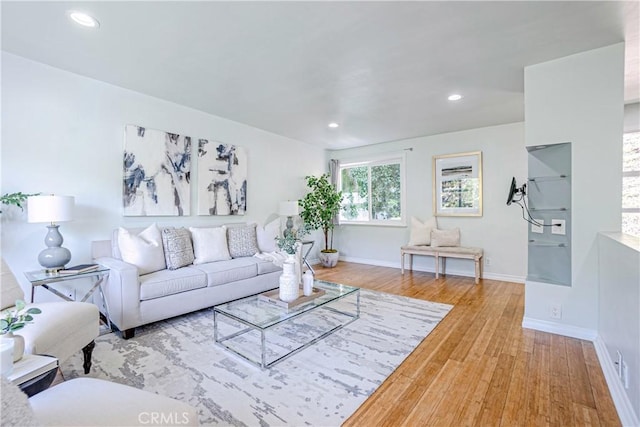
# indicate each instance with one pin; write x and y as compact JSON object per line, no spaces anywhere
{"x":319,"y":386}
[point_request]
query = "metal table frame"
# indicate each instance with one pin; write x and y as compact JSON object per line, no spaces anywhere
{"x":263,"y":330}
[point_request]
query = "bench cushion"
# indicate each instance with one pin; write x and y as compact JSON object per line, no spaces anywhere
{"x":459,"y":250}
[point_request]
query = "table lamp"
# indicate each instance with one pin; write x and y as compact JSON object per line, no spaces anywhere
{"x":288,"y":209}
{"x":51,"y":209}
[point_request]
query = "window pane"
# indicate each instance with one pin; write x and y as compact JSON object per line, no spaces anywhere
{"x":355,"y":189}
{"x":385,"y":192}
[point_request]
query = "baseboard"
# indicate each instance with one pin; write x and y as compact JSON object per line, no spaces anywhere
{"x":627,"y":415}
{"x":559,"y":329}
{"x":485,"y":275}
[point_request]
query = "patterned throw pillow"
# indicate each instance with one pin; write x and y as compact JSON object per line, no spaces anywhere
{"x":242,"y":241}
{"x":178,"y":249}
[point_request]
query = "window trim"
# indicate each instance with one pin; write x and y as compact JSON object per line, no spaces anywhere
{"x":378,"y":160}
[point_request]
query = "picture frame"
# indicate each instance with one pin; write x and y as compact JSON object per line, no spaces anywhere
{"x":457,"y":184}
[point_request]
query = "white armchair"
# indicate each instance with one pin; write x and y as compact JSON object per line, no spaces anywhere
{"x":62,"y":329}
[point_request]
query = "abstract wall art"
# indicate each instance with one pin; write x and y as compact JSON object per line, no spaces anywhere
{"x":157,"y":173}
{"x":222,"y":178}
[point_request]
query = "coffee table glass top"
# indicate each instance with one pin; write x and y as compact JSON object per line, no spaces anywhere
{"x":262,"y":314}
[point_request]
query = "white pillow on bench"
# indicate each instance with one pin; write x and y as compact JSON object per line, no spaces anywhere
{"x":444,"y":238}
{"x":421,"y":232}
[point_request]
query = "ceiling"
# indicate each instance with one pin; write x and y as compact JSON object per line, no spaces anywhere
{"x":382,"y":70}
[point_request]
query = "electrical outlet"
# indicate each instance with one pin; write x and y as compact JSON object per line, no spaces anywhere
{"x":487,"y":261}
{"x":619,"y":363}
{"x":556,"y":311}
{"x":558,"y":226}
{"x":535,"y":228}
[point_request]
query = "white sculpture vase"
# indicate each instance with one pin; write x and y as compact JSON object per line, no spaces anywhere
{"x":288,"y":282}
{"x":307,"y":283}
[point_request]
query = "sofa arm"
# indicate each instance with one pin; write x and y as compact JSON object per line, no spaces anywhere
{"x":122,"y":291}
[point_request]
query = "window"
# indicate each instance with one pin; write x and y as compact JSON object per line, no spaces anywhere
{"x":373,"y":191}
{"x":631,"y":183}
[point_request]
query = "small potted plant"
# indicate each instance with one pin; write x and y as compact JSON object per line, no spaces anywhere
{"x":319,"y":209}
{"x":14,"y":320}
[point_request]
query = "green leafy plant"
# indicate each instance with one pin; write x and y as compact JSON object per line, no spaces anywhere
{"x":16,"y":199}
{"x":14,"y":320}
{"x":320,"y":206}
{"x":288,"y":243}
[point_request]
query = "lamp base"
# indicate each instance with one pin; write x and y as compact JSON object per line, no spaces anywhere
{"x":54,"y":257}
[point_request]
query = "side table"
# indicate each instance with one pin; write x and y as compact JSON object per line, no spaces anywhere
{"x":34,"y":373}
{"x":47,"y":279}
{"x":311,"y":243}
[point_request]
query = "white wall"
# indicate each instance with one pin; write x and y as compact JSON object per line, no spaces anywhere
{"x":579,"y":99}
{"x":500,"y":231}
{"x":63,"y":133}
{"x":619,"y":319}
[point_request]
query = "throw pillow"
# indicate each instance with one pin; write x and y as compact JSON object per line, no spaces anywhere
{"x":242,"y":241}
{"x":144,"y":250}
{"x":442,"y":238}
{"x":267,"y":236}
{"x":420,"y":234}
{"x":209,"y":244}
{"x":178,"y":249}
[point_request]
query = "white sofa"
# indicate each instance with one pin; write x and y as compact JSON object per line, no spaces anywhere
{"x":137,"y":299}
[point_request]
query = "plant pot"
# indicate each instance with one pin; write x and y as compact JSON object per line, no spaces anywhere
{"x":329,"y":258}
{"x":18,"y":345}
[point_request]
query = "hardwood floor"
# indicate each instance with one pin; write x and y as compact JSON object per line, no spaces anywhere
{"x":479,"y":366}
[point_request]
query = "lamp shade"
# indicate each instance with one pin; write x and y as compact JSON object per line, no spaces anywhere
{"x":50,"y":208}
{"x":289,"y":208}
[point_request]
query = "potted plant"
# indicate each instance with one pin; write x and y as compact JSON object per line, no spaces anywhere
{"x":14,"y":320}
{"x":318,"y":211}
{"x":16,"y":199}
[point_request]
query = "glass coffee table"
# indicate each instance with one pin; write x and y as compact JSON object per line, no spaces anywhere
{"x":265,"y":334}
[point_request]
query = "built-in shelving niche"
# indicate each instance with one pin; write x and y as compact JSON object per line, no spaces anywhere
{"x":549,"y":198}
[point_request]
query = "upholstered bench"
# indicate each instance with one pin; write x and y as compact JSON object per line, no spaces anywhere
{"x":444,"y":252}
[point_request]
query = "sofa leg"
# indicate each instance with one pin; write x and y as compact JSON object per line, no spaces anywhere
{"x":128,"y":333}
{"x":87,"y":351}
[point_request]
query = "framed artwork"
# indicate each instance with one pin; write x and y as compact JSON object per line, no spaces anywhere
{"x":457,"y":184}
{"x":222,"y":178}
{"x":157,"y":173}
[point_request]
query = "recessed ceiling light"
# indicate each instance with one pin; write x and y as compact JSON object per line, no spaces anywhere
{"x":455,"y":97}
{"x":333,"y":125}
{"x":83,"y":19}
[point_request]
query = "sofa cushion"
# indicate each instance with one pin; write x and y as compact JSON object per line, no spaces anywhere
{"x":221,"y":272}
{"x":267,"y":236}
{"x":144,"y":249}
{"x":242,"y":241}
{"x":265,"y":267}
{"x":209,"y":244}
{"x":169,"y":282}
{"x":178,"y":249}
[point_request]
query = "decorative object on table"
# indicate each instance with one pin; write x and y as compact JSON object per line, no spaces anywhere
{"x":288,"y":290}
{"x":457,"y":184}
{"x":16,"y":199}
{"x":288,"y":209}
{"x":157,"y":173}
{"x":290,"y":244}
{"x":273,"y":298}
{"x":319,"y":209}
{"x":222,"y":178}
{"x":80,"y":268}
{"x":307,"y":283}
{"x":14,"y":320}
{"x":52,"y":209}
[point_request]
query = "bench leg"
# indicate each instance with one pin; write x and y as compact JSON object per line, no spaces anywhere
{"x":437,"y":266}
{"x":477,"y":271}
{"x":402,"y":263}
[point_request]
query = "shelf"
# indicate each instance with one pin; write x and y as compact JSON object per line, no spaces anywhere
{"x":548,"y":244}
{"x":548,"y":209}
{"x":547,"y":178}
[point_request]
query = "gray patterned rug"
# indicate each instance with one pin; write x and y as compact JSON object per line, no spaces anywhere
{"x":319,"y":386}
